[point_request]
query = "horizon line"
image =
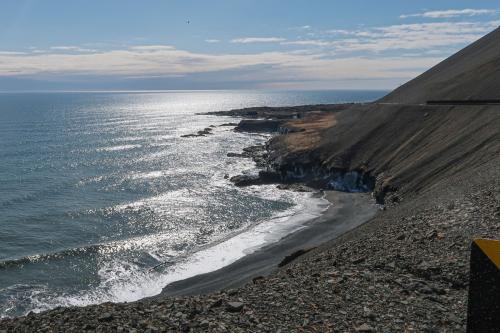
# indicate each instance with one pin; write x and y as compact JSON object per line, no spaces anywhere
{"x":177,"y":90}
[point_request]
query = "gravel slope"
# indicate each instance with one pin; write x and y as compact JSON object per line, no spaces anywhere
{"x":471,"y":74}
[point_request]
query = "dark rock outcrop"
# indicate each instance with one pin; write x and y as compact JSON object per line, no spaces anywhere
{"x":285,"y":112}
{"x":206,"y":131}
{"x":255,"y":126}
{"x":262,"y":178}
{"x":288,"y":259}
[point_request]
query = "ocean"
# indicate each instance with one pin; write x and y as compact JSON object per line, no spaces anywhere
{"x":101,"y":199}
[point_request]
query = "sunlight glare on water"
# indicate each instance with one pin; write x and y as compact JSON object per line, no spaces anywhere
{"x":98,"y":188}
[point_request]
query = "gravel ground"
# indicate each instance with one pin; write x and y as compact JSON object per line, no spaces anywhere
{"x":405,"y":270}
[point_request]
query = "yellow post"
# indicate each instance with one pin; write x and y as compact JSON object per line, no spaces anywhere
{"x":484,"y":287}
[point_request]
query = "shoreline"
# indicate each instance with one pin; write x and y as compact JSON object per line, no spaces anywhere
{"x":346,"y":212}
{"x":305,"y":233}
{"x":357,"y":274}
{"x":435,"y":168}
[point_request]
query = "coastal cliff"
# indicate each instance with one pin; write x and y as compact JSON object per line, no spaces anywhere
{"x":442,"y":123}
{"x":433,"y":166}
{"x":407,"y":149}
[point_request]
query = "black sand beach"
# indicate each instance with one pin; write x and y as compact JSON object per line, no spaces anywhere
{"x":346,"y":212}
{"x":435,"y":168}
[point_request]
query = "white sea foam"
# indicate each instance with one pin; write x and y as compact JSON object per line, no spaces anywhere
{"x":118,"y":148}
{"x":124,"y":281}
{"x":149,"y":175}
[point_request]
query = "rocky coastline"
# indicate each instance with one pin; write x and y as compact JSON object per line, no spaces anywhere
{"x":434,"y":167}
{"x":404,"y":270}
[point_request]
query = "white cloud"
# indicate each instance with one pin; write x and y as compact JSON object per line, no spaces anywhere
{"x":165,"y":60}
{"x":450,"y":13}
{"x":212,"y":41}
{"x":71,"y":49}
{"x":301,"y":28}
{"x":307,"y":42}
{"x":333,"y":55}
{"x":152,"y":48}
{"x":338,"y":31}
{"x":248,"y":40}
{"x":11,"y":53}
{"x":417,"y":36}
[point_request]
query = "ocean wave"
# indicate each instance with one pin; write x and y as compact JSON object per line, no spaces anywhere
{"x":123,"y":281}
{"x":52,"y":190}
{"x":118,"y":148}
{"x":129,"y":139}
{"x":145,"y":243}
{"x":150,"y":174}
{"x":184,"y":195}
{"x":30,"y":259}
{"x":116,"y":179}
{"x":124,"y":278}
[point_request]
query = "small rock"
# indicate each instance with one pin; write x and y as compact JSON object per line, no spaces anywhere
{"x":369,"y":313}
{"x":364,"y":328}
{"x":235,"y":155}
{"x":234,"y":306}
{"x":216,"y":304}
{"x":232,"y":292}
{"x":425,"y":290}
{"x":257,"y":279}
{"x":106,"y":317}
{"x":359,"y":260}
{"x":288,"y":259}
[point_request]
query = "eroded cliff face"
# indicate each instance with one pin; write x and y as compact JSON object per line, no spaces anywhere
{"x":387,"y":148}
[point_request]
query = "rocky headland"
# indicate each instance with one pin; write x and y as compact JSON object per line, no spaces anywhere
{"x":433,"y":167}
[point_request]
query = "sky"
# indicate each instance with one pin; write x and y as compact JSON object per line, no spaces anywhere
{"x":231,"y":44}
